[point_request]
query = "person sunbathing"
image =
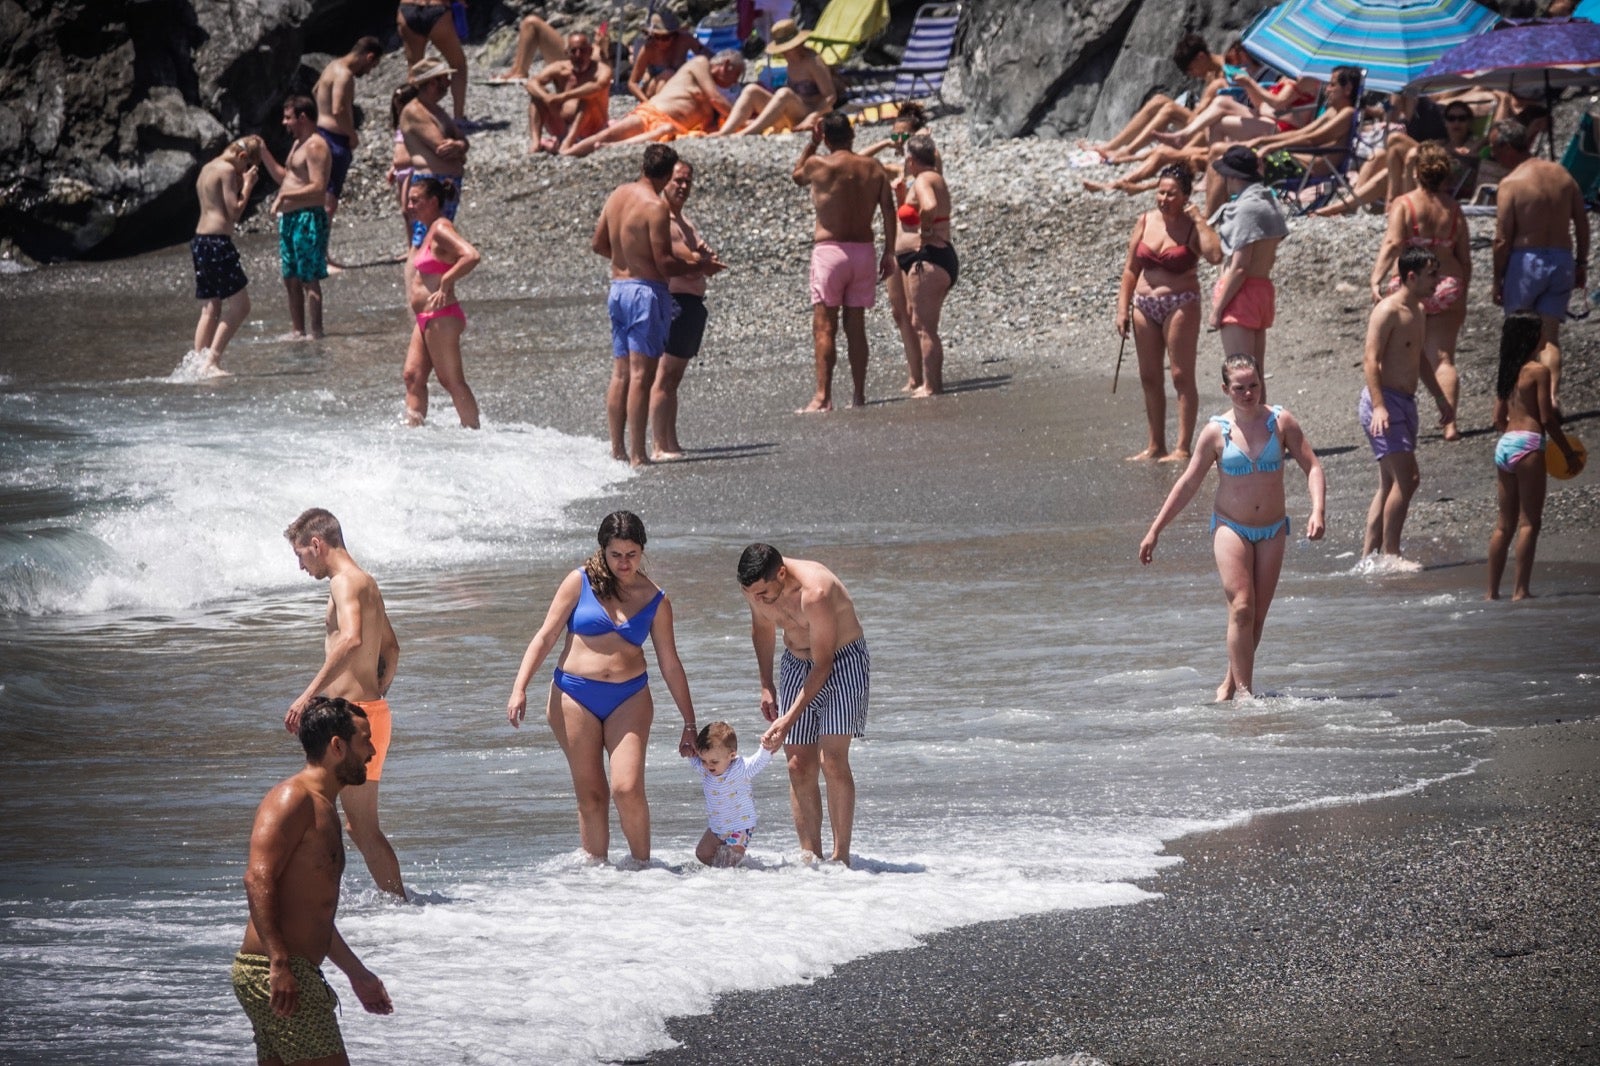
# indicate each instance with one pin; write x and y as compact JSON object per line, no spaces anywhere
{"x":692,"y":101}
{"x":1191,"y":56}
{"x":798,"y":105}
{"x":1226,"y":119}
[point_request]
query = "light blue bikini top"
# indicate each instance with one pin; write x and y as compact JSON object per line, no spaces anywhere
{"x":590,"y":619}
{"x":1235,"y":463}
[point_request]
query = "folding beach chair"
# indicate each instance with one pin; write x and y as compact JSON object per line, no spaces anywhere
{"x":1314,"y":186}
{"x":922,"y":69}
{"x":847,"y":25}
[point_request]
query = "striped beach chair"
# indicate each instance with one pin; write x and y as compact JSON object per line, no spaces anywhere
{"x":922,"y":69}
{"x":719,"y":31}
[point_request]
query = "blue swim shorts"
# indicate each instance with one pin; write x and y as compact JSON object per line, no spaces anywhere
{"x":641,"y":316}
{"x":1538,"y":279}
{"x":1401,"y":436}
{"x":303,"y":244}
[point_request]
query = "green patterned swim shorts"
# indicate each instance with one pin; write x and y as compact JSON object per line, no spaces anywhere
{"x":303,"y":244}
{"x":311,"y":1032}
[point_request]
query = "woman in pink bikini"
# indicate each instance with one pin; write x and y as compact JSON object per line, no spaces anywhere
{"x":1429,"y":217}
{"x":442,"y":259}
{"x":1160,"y":301}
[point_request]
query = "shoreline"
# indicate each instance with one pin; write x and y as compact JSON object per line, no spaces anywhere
{"x":1451,"y":924}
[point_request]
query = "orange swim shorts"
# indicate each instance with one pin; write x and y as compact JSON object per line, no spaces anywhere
{"x":378,"y":717}
{"x":664,"y":126}
{"x":1254,"y":306}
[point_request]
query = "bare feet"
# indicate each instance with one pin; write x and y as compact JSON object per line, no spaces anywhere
{"x":1152,"y":452}
{"x":1170,"y":138}
{"x":1523,"y":595}
{"x":911,"y":386}
{"x":816,"y":407}
{"x":858,"y":400}
{"x":1101,"y":186}
{"x":620,"y":457}
{"x":1452,"y":432}
{"x":1179,"y":456}
{"x":1226,"y":690}
{"x":661,"y":455}
{"x":639,"y":460}
{"x":921,"y":392}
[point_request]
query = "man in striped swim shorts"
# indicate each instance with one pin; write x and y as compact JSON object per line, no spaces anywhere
{"x":819,"y":703}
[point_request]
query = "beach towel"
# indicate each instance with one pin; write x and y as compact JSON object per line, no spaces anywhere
{"x":1251,"y":216}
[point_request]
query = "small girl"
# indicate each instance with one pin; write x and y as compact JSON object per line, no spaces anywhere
{"x":730,"y":807}
{"x":1524,"y":411}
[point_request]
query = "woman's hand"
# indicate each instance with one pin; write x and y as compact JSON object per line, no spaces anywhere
{"x":686,"y":741}
{"x":1315,"y":526}
{"x":1147,"y":547}
{"x":516,"y":708}
{"x":439,"y":299}
{"x":1122,"y":321}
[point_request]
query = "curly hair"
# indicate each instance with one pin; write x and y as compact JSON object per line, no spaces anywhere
{"x":618,"y":525}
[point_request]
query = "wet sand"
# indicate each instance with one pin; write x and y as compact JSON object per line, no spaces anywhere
{"x":1451,"y":925}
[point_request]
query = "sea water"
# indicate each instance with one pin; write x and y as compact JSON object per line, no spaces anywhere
{"x":1040,"y":719}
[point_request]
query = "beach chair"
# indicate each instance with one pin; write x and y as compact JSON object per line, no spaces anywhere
{"x":1312,"y":188}
{"x":1582,"y":159}
{"x":922,"y":69}
{"x":719,"y":31}
{"x":847,"y":25}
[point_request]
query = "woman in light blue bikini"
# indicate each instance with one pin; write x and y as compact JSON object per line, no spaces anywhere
{"x":1249,"y":519}
{"x":600,"y":697}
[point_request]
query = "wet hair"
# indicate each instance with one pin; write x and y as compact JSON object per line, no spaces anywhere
{"x":716,"y":735}
{"x":1190,"y":46}
{"x":316,"y":522}
{"x":397,"y":103}
{"x":1239,"y":361}
{"x":836,"y":129}
{"x":912,"y":114}
{"x":1415,"y":261}
{"x":301,"y":107}
{"x":1179,"y":173}
{"x":758,"y":562}
{"x":325,"y":718}
{"x":658,"y":162}
{"x":1434,"y":166}
{"x":1519,"y":344}
{"x":1512,"y":134}
{"x":920,"y":147}
{"x":618,"y":525}
{"x":367,"y":46}
{"x":442,"y":190}
{"x":1349,"y":77}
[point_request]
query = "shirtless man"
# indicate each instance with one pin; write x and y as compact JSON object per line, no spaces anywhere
{"x":692,"y":101}
{"x":1391,"y":365}
{"x":634,"y":232}
{"x":667,"y":47}
{"x":568,"y":100}
{"x":358,"y":664}
{"x":335,"y":93}
{"x":798,"y":105}
{"x":437,"y":147}
{"x":1534,"y":265}
{"x":223,"y":189}
{"x":820,"y":701}
{"x":302,"y":214}
{"x":292,"y":884}
{"x":845,"y":189}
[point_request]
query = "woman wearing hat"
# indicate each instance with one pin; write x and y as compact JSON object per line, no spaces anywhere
{"x":1250,"y":227}
{"x":808,"y":95}
{"x":667,"y":46}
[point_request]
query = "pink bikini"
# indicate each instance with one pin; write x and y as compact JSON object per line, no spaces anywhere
{"x":426,"y":262}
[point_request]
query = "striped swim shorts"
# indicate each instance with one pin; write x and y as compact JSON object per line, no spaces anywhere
{"x":841,"y":706}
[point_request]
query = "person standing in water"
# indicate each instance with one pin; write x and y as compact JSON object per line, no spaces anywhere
{"x":1249,"y":519}
{"x":358,"y":665}
{"x":220,"y":283}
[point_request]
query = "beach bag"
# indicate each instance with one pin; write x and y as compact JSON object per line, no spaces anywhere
{"x":1280,"y":166}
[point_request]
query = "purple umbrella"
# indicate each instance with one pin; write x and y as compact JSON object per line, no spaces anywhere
{"x":1547,"y":56}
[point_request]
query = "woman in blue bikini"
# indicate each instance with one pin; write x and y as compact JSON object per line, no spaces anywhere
{"x":1249,"y":520}
{"x":600,"y":697}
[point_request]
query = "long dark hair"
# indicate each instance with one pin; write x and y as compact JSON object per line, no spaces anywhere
{"x":618,"y":525}
{"x":1519,"y":344}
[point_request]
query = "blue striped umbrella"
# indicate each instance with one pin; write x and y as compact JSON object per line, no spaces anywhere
{"x":1392,"y":40}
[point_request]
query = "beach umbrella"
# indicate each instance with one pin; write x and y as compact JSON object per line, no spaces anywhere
{"x":1392,"y":40}
{"x":1534,"y":57}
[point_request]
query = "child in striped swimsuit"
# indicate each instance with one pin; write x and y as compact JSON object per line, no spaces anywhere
{"x":730,"y":806}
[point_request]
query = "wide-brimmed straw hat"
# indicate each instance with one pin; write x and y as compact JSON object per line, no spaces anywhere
{"x":429,"y":67}
{"x":662,"y":22}
{"x":1239,"y":162}
{"x":786,"y":34}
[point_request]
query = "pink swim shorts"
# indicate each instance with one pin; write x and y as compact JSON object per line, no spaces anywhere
{"x":1254,"y":306}
{"x":844,"y":273}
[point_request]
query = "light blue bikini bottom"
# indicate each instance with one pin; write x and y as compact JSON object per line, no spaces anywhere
{"x":1253,"y":534}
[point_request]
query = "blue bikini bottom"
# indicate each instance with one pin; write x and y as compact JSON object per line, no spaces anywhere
{"x":1253,"y":534}
{"x":599,"y":698}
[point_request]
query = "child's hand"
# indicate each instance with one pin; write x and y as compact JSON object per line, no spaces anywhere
{"x":772,"y":739}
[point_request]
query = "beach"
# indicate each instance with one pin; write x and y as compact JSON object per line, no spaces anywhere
{"x":1065,"y":847}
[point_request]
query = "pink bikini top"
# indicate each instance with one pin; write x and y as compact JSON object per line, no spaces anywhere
{"x":426,"y":262}
{"x":1174,"y":260}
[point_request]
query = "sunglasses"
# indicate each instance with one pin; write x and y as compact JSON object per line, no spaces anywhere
{"x":1458,"y":118}
{"x":899,"y":138}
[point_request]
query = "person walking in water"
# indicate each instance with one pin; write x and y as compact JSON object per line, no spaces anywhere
{"x":358,"y":665}
{"x":819,"y":702}
{"x":220,"y":283}
{"x":1249,"y":519}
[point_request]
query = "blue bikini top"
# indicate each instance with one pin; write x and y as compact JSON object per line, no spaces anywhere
{"x":590,"y":619}
{"x":1235,"y":463}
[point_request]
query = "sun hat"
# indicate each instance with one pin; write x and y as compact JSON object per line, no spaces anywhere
{"x":786,"y":34}
{"x":1239,"y":162}
{"x":429,"y":67}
